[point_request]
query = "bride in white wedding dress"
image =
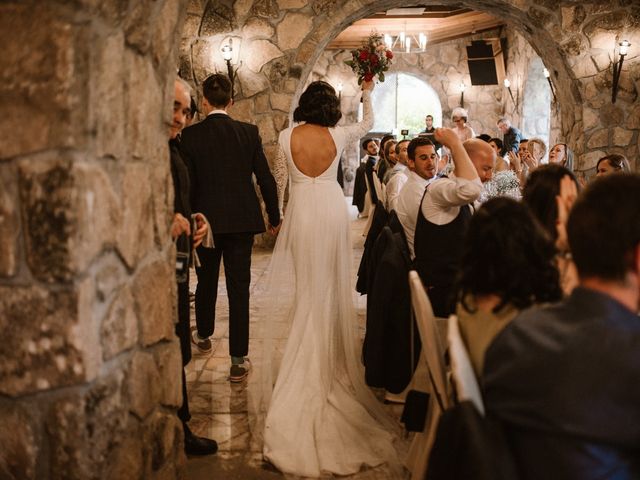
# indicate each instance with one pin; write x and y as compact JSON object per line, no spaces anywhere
{"x":322,"y":418}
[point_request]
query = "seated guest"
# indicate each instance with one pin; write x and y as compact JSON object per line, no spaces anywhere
{"x":505,"y":182}
{"x":511,"y":136}
{"x":563,"y":379}
{"x":612,"y":163}
{"x":392,"y":160}
{"x":537,"y":149}
{"x":443,"y":217}
{"x":540,"y":194}
{"x":507,"y":264}
{"x":383,"y":163}
{"x":399,"y":176}
{"x":423,"y":162}
{"x":498,"y":146}
{"x":561,"y":154}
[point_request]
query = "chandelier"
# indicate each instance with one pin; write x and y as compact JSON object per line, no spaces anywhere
{"x":404,"y":42}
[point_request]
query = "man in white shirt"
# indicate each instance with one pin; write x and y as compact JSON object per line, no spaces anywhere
{"x":399,"y":175}
{"x":422,"y":160}
{"x":444,"y":214}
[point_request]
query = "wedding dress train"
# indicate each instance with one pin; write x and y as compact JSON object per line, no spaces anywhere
{"x":322,"y":418}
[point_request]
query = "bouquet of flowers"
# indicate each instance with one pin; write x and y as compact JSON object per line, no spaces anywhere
{"x":371,"y":59}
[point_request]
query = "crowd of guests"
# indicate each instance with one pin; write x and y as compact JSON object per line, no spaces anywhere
{"x":543,"y":272}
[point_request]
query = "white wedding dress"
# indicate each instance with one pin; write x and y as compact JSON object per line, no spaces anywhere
{"x":322,"y":418}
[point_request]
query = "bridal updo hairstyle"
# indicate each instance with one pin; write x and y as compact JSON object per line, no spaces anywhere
{"x":318,"y":105}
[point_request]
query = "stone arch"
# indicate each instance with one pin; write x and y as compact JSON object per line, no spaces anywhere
{"x":536,"y":108}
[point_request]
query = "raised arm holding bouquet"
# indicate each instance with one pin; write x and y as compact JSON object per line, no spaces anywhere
{"x":371,"y":59}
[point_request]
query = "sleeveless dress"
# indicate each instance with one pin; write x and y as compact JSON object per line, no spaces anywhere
{"x":322,"y":418}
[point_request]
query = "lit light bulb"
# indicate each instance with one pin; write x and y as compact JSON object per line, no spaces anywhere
{"x":388,"y":41}
{"x":227,"y":52}
{"x":422,"y":41}
{"x":507,"y":83}
{"x":402,"y":39}
{"x":545,"y":72}
{"x":408,"y":44}
{"x":462,"y":87}
{"x":624,"y":47}
{"x":339,"y":87}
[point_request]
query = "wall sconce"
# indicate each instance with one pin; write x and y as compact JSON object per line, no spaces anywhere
{"x":617,"y":68}
{"x":339,"y":88}
{"x":462,"y":89}
{"x":507,"y":84}
{"x":227,"y":55}
{"x":547,"y":75}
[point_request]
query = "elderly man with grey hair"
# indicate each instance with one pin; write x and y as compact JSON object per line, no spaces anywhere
{"x":511,"y":135}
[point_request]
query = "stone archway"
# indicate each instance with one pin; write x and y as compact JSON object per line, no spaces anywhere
{"x":536,"y":108}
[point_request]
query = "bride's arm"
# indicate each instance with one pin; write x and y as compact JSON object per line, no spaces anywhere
{"x":358,"y":130}
{"x":281,"y":175}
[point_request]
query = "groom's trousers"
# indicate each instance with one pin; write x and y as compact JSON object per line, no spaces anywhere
{"x":235,"y":251}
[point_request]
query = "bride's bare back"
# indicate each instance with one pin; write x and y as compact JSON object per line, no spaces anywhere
{"x":312,"y":149}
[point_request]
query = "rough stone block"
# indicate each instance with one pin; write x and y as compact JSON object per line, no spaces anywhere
{"x":18,"y":444}
{"x":265,"y":8}
{"x":252,"y":83}
{"x":262,"y":103}
{"x":162,"y":438}
{"x":281,"y":101}
{"x":241,"y":8}
{"x":9,"y":221}
{"x":622,"y":137}
{"x":163,"y":36}
{"x":138,"y":26}
{"x":589,"y":160}
{"x":135,"y":238}
{"x":256,"y":28}
{"x":208,"y":59}
{"x":144,"y":100}
{"x":126,"y":461}
{"x":119,"y":330}
{"x":261,"y":52}
{"x":84,"y":429}
{"x":267,"y":130}
{"x":144,"y":385}
{"x":293,"y":29}
{"x":291,"y":4}
{"x":243,"y":111}
{"x":633,"y":119}
{"x":46,"y":345}
{"x":600,"y":138}
{"x":169,"y":361}
{"x":154,"y":294}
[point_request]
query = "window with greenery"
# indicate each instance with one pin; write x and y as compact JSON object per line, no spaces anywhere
{"x":402,"y":102}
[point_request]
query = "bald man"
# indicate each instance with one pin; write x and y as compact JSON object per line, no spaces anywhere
{"x":444,"y":213}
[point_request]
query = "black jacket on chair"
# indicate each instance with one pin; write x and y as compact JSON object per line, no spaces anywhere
{"x":360,"y":187}
{"x":379,"y":220}
{"x":223,"y":155}
{"x":387,"y":349}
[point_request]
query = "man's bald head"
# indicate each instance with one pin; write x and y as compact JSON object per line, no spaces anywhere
{"x":482,"y":156}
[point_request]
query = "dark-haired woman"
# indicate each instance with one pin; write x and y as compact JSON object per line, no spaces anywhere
{"x":322,"y":418}
{"x":549,"y":193}
{"x":507,"y":265}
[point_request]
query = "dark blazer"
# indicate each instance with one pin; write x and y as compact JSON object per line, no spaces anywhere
{"x":223,"y":155}
{"x":360,"y":187}
{"x":380,"y":218}
{"x":387,"y":344}
{"x":564,"y":380}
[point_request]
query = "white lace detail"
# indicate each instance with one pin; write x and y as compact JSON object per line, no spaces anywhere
{"x":281,"y":175}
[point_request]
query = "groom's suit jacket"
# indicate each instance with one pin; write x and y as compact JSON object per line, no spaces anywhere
{"x":223,"y":155}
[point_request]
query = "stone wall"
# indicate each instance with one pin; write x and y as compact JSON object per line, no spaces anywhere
{"x":89,"y":363}
{"x":443,"y":67}
{"x":278,"y":43}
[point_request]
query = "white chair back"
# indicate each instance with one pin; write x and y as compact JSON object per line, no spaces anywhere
{"x":432,"y":347}
{"x":464,"y":377}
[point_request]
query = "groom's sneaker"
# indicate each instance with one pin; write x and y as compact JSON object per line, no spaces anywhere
{"x":202,"y":344}
{"x":239,"y":372}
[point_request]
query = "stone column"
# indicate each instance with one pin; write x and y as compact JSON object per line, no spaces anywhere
{"x":89,"y":362}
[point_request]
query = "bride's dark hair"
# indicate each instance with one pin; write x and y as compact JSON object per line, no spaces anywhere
{"x":318,"y":105}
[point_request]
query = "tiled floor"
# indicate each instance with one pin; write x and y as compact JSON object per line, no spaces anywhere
{"x":224,"y":412}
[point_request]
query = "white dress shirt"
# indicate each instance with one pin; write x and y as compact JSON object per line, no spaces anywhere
{"x":397,"y":180}
{"x":408,"y":205}
{"x":224,"y":112}
{"x":445,"y":196}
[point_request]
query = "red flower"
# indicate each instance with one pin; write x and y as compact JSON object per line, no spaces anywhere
{"x":389,"y":54}
{"x":364,"y":55}
{"x":373,"y":58}
{"x":368,"y":77}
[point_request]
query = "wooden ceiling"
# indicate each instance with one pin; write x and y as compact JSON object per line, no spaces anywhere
{"x":439,"y":23}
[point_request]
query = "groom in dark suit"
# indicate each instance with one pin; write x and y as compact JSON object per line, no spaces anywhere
{"x":223,"y":156}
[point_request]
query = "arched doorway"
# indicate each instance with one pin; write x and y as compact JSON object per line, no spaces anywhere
{"x":402,"y":102}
